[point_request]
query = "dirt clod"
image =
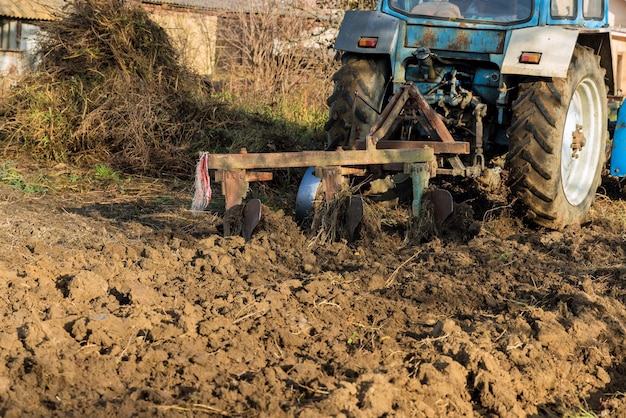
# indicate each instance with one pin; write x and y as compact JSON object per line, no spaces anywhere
{"x":128,"y":306}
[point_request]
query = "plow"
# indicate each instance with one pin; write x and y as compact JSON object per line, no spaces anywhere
{"x":330,"y":170}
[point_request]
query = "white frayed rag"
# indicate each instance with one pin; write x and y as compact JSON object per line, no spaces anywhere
{"x":202,"y":192}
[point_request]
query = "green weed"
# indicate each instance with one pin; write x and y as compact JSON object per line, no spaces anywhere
{"x":580,"y":412}
{"x":105,"y":173}
{"x":504,"y":257}
{"x":12,"y":177}
{"x":354,"y":338}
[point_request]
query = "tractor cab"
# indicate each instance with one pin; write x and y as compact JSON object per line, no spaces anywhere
{"x":585,"y":13}
{"x":501,"y":11}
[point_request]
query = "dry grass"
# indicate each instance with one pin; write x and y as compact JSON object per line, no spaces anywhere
{"x":109,"y":88}
{"x":330,"y":220}
{"x":281,"y":58}
{"x":424,"y":228}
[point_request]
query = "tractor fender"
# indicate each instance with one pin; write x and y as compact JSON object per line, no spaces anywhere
{"x":556,"y":45}
{"x":367,"y":23}
{"x":618,"y":150}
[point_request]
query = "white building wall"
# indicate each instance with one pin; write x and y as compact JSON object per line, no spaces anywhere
{"x":617,"y":13}
{"x":13,"y":64}
{"x":194,"y":36}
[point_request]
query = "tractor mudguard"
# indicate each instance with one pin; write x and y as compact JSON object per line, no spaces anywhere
{"x":367,"y":23}
{"x":618,"y":151}
{"x":556,"y":45}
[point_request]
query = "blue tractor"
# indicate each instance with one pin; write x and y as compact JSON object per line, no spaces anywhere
{"x":521,"y":86}
{"x":519,"y":90}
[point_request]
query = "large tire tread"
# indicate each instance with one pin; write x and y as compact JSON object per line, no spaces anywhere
{"x":534,"y":157}
{"x":368,"y":76}
{"x":542,"y":107}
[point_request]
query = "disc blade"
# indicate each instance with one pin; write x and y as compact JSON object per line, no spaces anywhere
{"x":251,"y":217}
{"x":354,"y":215}
{"x":306,"y":195}
{"x":443,"y":205}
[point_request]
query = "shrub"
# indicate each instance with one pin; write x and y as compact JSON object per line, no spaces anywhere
{"x":108,"y":88}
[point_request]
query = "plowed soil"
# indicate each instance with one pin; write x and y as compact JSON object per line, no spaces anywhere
{"x":120,"y":302}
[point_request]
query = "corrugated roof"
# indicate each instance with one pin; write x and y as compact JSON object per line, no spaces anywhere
{"x":197,"y":4}
{"x":48,"y":9}
{"x":31,"y":9}
{"x":230,"y":5}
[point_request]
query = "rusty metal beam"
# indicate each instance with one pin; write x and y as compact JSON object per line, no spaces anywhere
{"x":220,"y":176}
{"x":385,"y":121}
{"x":245,"y":161}
{"x":456,"y":147}
{"x":433,"y":117}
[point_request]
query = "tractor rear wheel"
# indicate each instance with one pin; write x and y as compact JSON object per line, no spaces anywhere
{"x":368,"y":77}
{"x":557,"y":142}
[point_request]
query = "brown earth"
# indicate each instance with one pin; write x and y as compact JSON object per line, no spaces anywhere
{"x":126,"y":304}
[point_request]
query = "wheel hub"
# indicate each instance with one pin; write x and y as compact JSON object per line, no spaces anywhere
{"x":578,"y":140}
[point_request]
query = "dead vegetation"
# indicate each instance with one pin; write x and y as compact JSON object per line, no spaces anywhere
{"x":282,"y":57}
{"x":108,"y":89}
{"x":348,"y":216}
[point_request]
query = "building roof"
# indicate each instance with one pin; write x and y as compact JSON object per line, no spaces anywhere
{"x":195,"y":4}
{"x":31,"y":9}
{"x":230,"y":5}
{"x":49,"y":9}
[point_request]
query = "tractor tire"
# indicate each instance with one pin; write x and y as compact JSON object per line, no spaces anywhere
{"x":367,"y":76}
{"x":557,"y":184}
